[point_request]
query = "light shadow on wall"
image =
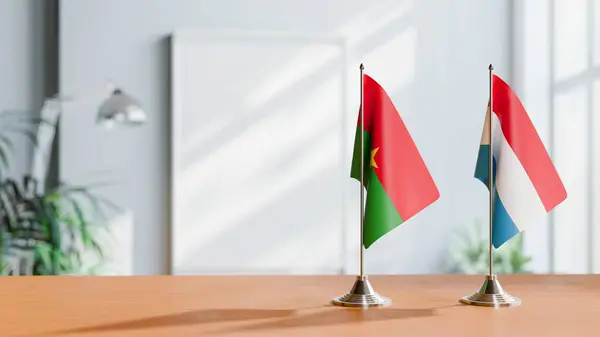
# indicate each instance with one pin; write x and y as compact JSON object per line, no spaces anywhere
{"x":303,"y":177}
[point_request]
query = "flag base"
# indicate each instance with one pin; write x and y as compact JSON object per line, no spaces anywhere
{"x":361,"y":295}
{"x":491,"y":294}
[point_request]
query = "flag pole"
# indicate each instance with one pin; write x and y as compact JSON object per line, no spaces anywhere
{"x":491,"y":171}
{"x":362,"y":294}
{"x":490,"y":293}
{"x":362,"y":167}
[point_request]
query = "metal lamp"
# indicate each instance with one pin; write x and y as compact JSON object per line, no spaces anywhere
{"x":120,"y":108}
{"x":117,"y":108}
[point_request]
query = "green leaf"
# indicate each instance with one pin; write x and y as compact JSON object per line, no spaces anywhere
{"x":75,"y":262}
{"x":54,"y":230}
{"x":7,"y":141}
{"x":98,"y":249}
{"x":3,"y":157}
{"x":97,"y":202}
{"x":44,"y":252}
{"x":57,"y":257}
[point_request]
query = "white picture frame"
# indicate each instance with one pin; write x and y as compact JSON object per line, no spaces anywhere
{"x":214,"y":245}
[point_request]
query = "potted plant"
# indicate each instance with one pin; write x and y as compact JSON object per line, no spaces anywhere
{"x":45,"y":233}
{"x":471,"y":254}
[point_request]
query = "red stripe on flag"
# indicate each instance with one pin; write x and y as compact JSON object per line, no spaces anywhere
{"x":401,"y":170}
{"x":527,"y":145}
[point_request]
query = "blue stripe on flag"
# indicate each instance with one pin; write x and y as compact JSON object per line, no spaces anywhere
{"x":504,"y":228}
{"x":482,"y":168}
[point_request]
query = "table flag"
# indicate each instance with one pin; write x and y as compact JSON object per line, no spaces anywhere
{"x":527,"y":185}
{"x":396,"y":179}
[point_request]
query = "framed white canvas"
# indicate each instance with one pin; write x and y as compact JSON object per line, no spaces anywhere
{"x":259,"y":153}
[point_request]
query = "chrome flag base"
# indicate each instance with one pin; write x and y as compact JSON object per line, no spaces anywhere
{"x":361,"y":295}
{"x":491,"y":294}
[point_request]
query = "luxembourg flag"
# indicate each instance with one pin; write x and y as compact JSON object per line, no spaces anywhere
{"x":526,"y":184}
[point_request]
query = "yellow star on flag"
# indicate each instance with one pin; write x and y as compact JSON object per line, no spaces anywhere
{"x":373,"y":152}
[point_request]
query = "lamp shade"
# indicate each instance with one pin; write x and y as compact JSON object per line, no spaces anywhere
{"x":121,"y":108}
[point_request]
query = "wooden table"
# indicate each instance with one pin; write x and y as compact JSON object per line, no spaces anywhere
{"x":290,"y":306}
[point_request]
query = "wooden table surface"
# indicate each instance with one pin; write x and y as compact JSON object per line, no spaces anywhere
{"x":290,"y":306}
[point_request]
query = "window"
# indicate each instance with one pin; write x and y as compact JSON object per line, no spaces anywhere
{"x":557,"y":75}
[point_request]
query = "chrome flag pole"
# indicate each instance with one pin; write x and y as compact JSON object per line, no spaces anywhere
{"x":491,"y":173}
{"x":362,"y":294}
{"x":362,"y":167}
{"x":491,"y":293}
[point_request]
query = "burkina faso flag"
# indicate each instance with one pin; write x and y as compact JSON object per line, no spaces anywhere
{"x":397,"y":182}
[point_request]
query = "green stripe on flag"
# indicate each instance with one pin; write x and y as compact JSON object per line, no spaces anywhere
{"x":381,"y":215}
{"x":355,"y":169}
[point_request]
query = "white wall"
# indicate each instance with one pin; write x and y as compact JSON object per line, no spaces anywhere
{"x":431,"y":55}
{"x":22,"y":61}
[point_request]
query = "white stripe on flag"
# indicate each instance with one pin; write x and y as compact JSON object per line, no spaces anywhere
{"x":515,"y":189}
{"x":485,"y":134}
